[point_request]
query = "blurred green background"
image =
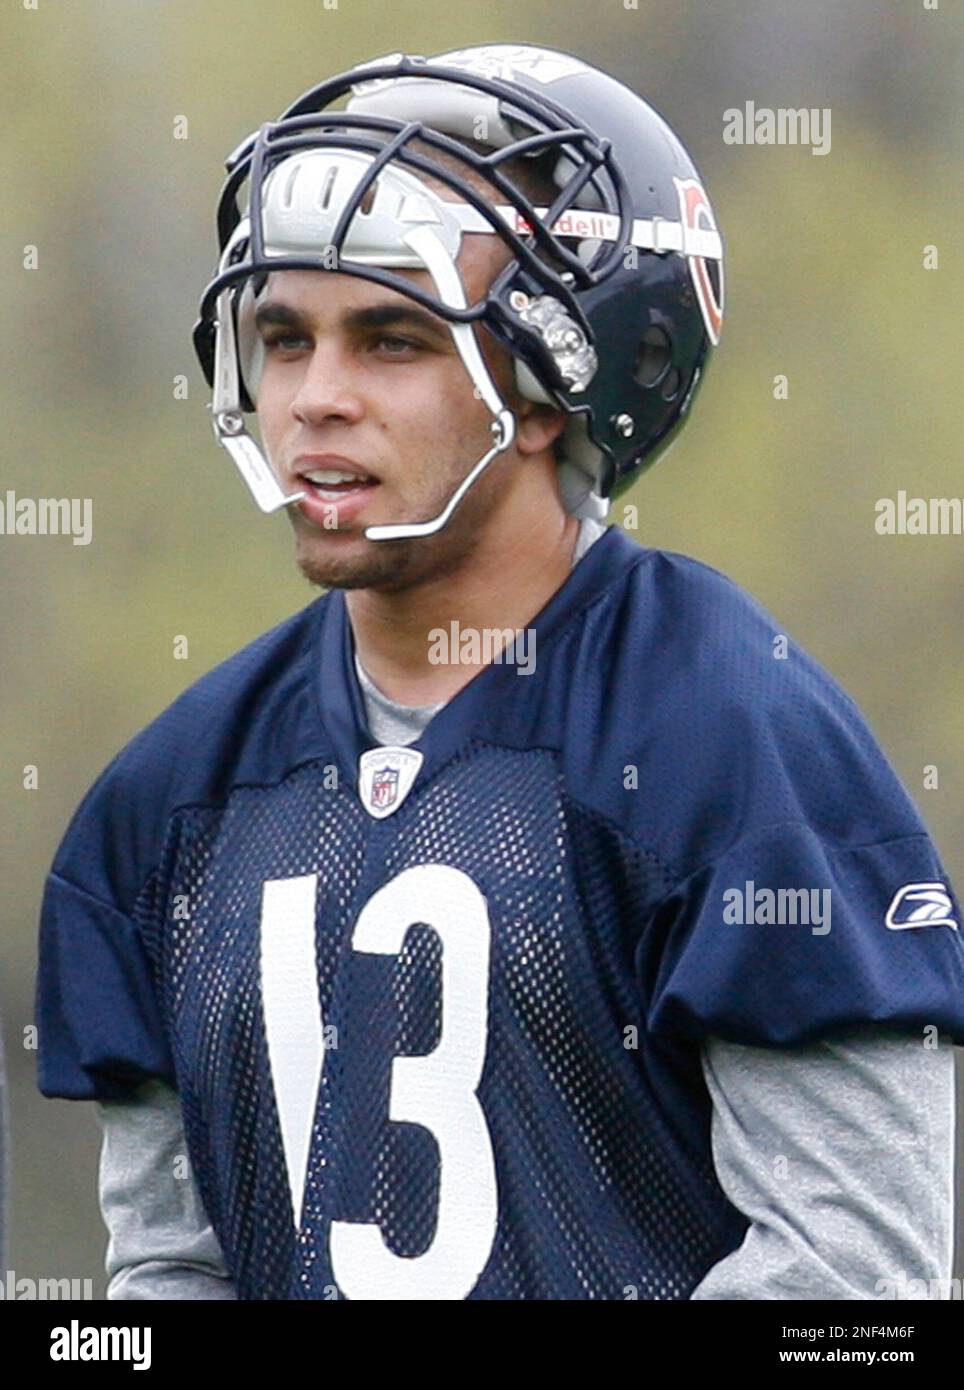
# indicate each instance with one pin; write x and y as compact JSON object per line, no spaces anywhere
{"x":825,"y":283}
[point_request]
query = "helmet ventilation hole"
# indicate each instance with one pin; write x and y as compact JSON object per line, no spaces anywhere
{"x":365,"y":206}
{"x":326,"y":189}
{"x":653,"y":356}
{"x":288,"y":191}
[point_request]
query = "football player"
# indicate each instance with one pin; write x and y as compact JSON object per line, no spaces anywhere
{"x":510,"y":923}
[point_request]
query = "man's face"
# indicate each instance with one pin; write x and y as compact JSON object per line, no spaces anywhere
{"x":346,"y":374}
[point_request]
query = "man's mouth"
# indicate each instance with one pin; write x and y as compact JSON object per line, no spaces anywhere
{"x":330,"y":484}
{"x":336,"y":489}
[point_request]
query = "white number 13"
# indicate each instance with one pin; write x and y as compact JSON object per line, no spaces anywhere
{"x":437,"y":1091}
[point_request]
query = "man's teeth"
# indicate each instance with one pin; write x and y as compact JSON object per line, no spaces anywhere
{"x":334,"y":475}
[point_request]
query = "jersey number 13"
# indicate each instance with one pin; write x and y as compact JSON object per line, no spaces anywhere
{"x":437,"y":1091}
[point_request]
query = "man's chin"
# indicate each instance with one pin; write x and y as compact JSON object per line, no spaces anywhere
{"x":369,"y":564}
{"x":332,"y":559}
{"x":347,"y":560}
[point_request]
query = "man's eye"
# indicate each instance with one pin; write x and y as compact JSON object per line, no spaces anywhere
{"x":396,"y":345}
{"x":283,"y":341}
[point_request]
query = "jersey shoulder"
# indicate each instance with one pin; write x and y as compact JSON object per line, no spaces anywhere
{"x":722,"y":723}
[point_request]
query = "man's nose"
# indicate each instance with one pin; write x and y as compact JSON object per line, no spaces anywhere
{"x":329,"y":388}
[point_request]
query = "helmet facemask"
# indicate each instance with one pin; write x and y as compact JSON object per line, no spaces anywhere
{"x":400,"y":223}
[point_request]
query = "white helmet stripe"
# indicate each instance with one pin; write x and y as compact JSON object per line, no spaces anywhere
{"x":649,"y":234}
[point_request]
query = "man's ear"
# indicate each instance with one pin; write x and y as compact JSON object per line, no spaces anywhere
{"x":539,"y":426}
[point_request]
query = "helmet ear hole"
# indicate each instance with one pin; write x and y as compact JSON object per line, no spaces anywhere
{"x":653,"y":356}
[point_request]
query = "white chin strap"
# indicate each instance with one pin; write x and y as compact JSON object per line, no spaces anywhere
{"x":402,"y":224}
{"x":448,"y":285}
{"x":228,"y":420}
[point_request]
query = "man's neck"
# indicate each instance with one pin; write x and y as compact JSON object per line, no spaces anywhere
{"x":498,"y":591}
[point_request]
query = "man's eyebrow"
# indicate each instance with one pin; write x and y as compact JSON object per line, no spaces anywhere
{"x":374,"y":316}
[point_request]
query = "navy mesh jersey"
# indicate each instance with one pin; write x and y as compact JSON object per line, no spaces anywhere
{"x":454,"y":1051}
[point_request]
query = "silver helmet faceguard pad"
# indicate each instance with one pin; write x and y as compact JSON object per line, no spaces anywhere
{"x":339,"y":192}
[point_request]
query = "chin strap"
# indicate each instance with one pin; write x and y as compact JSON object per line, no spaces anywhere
{"x":503,"y":431}
{"x":448,"y":283}
{"x":227,"y":418}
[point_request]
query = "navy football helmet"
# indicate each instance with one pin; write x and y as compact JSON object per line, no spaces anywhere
{"x":613,"y":298}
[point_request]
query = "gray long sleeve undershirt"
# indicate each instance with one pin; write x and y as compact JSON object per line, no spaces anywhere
{"x":840,"y":1153}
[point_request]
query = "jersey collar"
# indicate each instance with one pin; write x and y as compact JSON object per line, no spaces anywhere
{"x":494,"y":704}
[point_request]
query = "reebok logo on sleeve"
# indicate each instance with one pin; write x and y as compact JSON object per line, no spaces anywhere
{"x":921,"y":905}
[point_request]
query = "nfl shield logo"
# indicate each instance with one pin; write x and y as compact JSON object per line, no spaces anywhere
{"x":385,"y":786}
{"x":385,"y":778}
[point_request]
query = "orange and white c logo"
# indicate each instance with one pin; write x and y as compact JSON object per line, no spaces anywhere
{"x":697,"y":215}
